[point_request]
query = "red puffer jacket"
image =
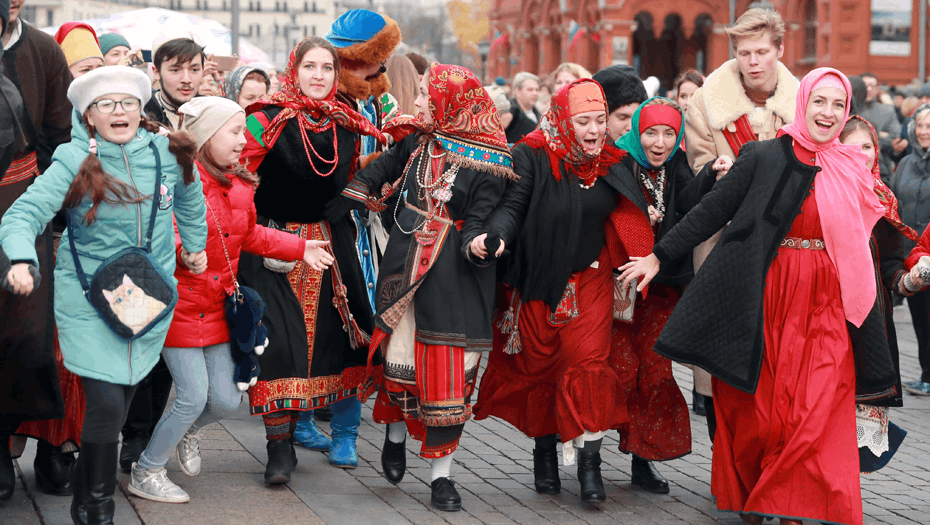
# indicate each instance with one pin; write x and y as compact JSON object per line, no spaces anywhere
{"x":199,"y":319}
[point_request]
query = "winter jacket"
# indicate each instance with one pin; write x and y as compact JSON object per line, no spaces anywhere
{"x":89,"y":347}
{"x":911,"y":185}
{"x":200,"y":318}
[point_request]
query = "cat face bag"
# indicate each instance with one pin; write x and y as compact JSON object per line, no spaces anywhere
{"x":129,"y":290}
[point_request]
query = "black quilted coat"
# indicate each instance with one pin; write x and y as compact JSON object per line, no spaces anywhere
{"x":718,"y":323}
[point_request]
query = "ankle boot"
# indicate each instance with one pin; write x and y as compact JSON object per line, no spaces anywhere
{"x":96,"y":482}
{"x":546,"y":466}
{"x":308,"y":434}
{"x":444,"y":496}
{"x":54,"y":469}
{"x":698,"y":403}
{"x":324,"y":414}
{"x":280,"y":462}
{"x":393,"y":458}
{"x":589,"y":476}
{"x":7,"y":470}
{"x":347,"y":416}
{"x":646,"y":476}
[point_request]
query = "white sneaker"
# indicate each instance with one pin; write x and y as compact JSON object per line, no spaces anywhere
{"x":155,"y":485}
{"x":188,"y":452}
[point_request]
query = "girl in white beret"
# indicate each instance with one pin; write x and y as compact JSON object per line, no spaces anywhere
{"x":119,"y":183}
{"x":197,"y":350}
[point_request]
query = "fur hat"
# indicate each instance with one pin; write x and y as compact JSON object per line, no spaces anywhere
{"x":109,"y":80}
{"x":78,"y":41}
{"x":204,"y":116}
{"x":362,"y":37}
{"x":621,"y":87}
{"x":110,"y":40}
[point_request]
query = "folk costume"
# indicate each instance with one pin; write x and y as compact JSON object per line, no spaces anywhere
{"x":305,"y":152}
{"x":786,"y":318}
{"x":36,"y":386}
{"x":434,"y":297}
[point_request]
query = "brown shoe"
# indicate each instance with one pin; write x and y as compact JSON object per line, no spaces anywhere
{"x":751,"y":519}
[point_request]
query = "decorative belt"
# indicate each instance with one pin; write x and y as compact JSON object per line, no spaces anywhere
{"x":803,"y":244}
{"x":22,"y":168}
{"x":426,"y":214}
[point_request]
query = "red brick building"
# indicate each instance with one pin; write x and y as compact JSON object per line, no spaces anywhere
{"x":663,"y":37}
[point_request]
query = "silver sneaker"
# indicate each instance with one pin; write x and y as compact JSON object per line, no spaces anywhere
{"x":155,"y":485}
{"x":189,"y":453}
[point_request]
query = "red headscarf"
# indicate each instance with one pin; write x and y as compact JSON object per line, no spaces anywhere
{"x":885,"y":195}
{"x":465,"y":121}
{"x":557,"y":135}
{"x":294,"y":102}
{"x":847,"y":205}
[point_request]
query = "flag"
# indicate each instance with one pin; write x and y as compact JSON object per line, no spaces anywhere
{"x":575,"y":32}
{"x":499,"y":39}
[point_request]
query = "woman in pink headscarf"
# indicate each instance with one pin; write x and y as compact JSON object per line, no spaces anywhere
{"x":784,"y":315}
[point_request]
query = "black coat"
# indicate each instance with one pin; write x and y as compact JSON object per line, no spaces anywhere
{"x":718,"y":323}
{"x":539,"y":219}
{"x":889,"y":250}
{"x":521,"y":125}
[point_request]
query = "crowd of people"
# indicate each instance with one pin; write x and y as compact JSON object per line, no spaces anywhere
{"x":370,"y":224}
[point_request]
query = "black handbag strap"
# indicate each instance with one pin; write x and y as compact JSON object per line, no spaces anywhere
{"x":156,"y":198}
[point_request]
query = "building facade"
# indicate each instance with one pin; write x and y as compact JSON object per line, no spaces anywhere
{"x":665,"y":37}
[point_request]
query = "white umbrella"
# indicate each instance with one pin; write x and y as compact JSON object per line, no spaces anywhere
{"x":140,"y":27}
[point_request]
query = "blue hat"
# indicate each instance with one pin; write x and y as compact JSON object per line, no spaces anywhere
{"x":500,"y":81}
{"x":355,"y":27}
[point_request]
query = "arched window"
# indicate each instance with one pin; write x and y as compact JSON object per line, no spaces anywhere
{"x":810,"y":31}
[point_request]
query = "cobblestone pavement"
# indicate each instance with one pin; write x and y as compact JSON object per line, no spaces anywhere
{"x":493,"y":471}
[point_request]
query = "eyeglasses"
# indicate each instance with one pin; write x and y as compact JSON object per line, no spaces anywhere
{"x":107,"y":106}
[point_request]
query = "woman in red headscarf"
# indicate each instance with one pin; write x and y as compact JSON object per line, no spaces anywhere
{"x":303,"y":145}
{"x":434,"y":296}
{"x":785,"y":315}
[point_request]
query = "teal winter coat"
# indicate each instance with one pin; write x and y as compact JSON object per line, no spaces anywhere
{"x":89,"y":347}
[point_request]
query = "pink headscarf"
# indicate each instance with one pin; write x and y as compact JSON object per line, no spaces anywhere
{"x":847,"y":205}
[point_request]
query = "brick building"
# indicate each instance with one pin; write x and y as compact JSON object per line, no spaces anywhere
{"x":663,"y":37}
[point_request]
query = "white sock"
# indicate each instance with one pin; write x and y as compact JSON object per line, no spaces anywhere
{"x":397,"y":432}
{"x":441,"y":467}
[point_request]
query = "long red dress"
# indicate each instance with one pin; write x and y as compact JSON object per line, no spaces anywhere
{"x":790,"y":449}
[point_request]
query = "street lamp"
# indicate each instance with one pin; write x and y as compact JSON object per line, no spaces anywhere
{"x":484,"y":49}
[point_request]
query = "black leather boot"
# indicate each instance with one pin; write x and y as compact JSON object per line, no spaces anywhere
{"x":96,"y":482}
{"x":131,"y":450}
{"x":280,"y":462}
{"x":546,"y":466}
{"x":646,"y":476}
{"x":7,"y":471}
{"x":54,"y":469}
{"x":698,"y":403}
{"x":323,"y":414}
{"x":393,"y":459}
{"x":445,"y":497}
{"x":589,"y":476}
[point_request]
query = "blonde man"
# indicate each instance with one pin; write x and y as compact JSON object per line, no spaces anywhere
{"x":747,"y":98}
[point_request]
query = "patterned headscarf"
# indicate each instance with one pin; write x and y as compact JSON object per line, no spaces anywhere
{"x":465,"y":121}
{"x":885,"y":195}
{"x":235,"y":78}
{"x":632,"y":141}
{"x":295,"y":102}
{"x":557,"y":135}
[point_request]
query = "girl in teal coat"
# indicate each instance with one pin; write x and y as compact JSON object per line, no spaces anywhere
{"x":104,"y":184}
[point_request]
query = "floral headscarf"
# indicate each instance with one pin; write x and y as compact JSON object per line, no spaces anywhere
{"x":557,"y":135}
{"x":235,"y":78}
{"x":885,"y":195}
{"x":465,"y":121}
{"x":632,"y":143}
{"x":263,"y":135}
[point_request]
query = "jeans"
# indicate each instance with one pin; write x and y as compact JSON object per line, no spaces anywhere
{"x":206,"y":393}
{"x":107,"y":408}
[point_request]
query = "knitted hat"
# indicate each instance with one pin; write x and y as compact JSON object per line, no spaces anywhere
{"x":499,"y":81}
{"x":621,"y":86}
{"x":204,"y":116}
{"x":110,"y":40}
{"x":78,"y":41}
{"x":364,"y":36}
{"x":173,"y":34}
{"x":109,"y":80}
{"x":499,"y":97}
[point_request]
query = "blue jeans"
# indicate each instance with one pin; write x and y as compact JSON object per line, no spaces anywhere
{"x":206,"y":393}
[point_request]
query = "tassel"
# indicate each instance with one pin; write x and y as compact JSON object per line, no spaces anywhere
{"x":506,"y":324}
{"x":514,"y":343}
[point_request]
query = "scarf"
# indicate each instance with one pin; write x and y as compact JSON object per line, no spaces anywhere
{"x":465,"y":125}
{"x":232,"y":85}
{"x":848,"y":207}
{"x":171,"y":112}
{"x":631,"y":142}
{"x":556,"y":135}
{"x":885,"y":195}
{"x":294,"y":102}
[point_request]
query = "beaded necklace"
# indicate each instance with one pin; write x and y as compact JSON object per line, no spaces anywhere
{"x":304,"y":123}
{"x":656,"y":189}
{"x":429,"y":189}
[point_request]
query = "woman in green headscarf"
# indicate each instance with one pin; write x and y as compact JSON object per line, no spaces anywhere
{"x":659,"y":427}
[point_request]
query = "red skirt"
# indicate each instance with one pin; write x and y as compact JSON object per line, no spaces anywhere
{"x":561,"y":381}
{"x":659,"y":428}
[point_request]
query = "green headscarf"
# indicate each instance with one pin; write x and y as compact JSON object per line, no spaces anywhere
{"x":631,"y":142}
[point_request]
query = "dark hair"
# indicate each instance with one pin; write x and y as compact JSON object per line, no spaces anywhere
{"x":313,"y":42}
{"x":257,"y":76}
{"x":856,"y":124}
{"x":104,"y":187}
{"x":869,"y":75}
{"x":419,"y":62}
{"x":184,"y":49}
{"x":689,"y":76}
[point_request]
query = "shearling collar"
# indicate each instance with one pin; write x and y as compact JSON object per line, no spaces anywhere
{"x":725,"y":98}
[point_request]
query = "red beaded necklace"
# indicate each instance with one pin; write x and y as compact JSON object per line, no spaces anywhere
{"x":304,"y":123}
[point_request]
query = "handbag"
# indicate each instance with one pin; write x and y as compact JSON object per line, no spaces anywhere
{"x":624,"y":300}
{"x":130,"y":290}
{"x":277,"y":265}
